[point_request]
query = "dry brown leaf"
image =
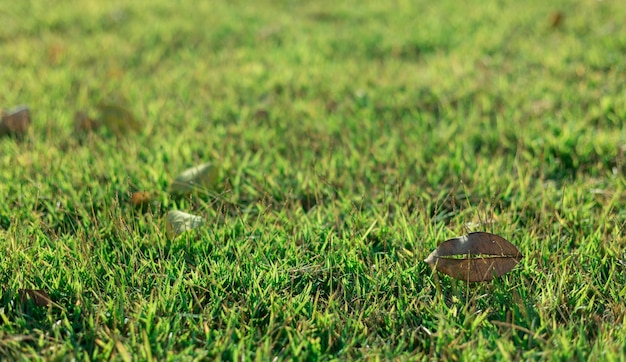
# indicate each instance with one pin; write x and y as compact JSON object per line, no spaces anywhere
{"x":118,"y":118}
{"x":15,"y":122}
{"x":476,"y":257}
{"x":40,"y":297}
{"x":141,"y":199}
{"x":556,"y":19}
{"x":85,"y":124}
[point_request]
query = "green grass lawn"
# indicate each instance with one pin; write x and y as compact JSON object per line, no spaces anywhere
{"x":352,"y":138}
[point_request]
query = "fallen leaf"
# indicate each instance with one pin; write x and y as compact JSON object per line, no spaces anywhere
{"x":15,"y":122}
{"x":261,"y":114}
{"x":556,"y":19}
{"x":85,"y":124}
{"x":118,"y":118}
{"x":140,"y":198}
{"x":177,"y":222}
{"x":40,"y":297}
{"x":202,"y":177}
{"x":476,"y":257}
{"x":55,"y":53}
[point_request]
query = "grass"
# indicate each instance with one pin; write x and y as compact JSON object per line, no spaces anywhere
{"x":352,"y":137}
